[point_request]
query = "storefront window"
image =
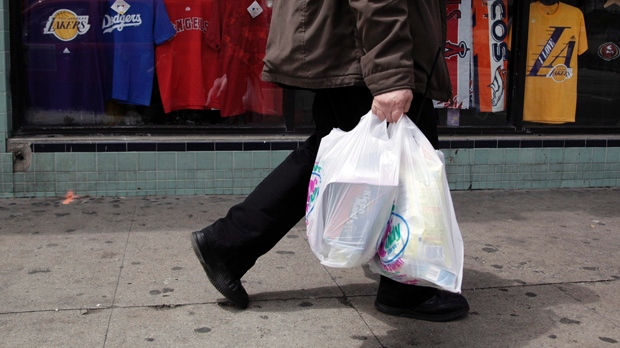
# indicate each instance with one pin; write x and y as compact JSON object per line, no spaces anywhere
{"x":572,"y":76}
{"x":146,"y":62}
{"x":196,"y":65}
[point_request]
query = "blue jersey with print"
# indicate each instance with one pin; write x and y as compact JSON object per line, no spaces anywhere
{"x":133,"y":28}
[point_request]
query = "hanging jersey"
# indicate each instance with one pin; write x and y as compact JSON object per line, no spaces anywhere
{"x":556,"y":35}
{"x":238,"y":30}
{"x":187,"y":65}
{"x":133,"y":28}
{"x":603,"y":29}
{"x":490,"y":54}
{"x":458,"y":53}
{"x":65,"y":65}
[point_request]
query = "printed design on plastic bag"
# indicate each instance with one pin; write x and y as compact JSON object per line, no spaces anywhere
{"x":313,"y":189}
{"x":394,"y":241}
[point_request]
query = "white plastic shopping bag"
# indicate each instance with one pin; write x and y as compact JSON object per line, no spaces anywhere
{"x":351,"y":192}
{"x":422,"y":244}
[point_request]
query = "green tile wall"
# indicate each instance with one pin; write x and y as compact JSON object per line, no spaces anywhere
{"x":238,"y":172}
{"x":139,"y":174}
{"x":6,"y":175}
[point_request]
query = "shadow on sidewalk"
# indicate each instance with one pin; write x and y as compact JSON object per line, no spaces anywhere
{"x":504,"y":316}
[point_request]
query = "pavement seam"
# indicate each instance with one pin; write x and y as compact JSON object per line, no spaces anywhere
{"x":120,"y":273}
{"x":543,"y":284}
{"x":344,"y":299}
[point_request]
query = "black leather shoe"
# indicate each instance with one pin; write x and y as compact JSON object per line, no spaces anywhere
{"x":442,"y":306}
{"x":218,"y":273}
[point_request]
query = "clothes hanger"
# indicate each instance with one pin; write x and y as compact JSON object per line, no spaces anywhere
{"x":611,"y":2}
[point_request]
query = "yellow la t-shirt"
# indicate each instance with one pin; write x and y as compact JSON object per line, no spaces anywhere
{"x":556,"y":35}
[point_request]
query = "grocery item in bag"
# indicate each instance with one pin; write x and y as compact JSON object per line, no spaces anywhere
{"x":351,"y":192}
{"x":356,"y":221}
{"x":422,"y":243}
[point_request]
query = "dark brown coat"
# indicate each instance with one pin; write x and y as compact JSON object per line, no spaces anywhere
{"x":383,"y":44}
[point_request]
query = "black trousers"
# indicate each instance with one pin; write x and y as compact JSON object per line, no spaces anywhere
{"x":252,"y":228}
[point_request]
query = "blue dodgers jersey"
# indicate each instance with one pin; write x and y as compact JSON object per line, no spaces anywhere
{"x":65,"y":64}
{"x":133,"y":28}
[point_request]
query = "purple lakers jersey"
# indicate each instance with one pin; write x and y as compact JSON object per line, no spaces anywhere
{"x":65,"y":65}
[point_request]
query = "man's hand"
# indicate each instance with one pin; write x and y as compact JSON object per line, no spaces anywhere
{"x":391,"y":105}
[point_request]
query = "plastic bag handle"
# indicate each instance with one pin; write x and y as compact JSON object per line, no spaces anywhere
{"x":376,"y":127}
{"x":398,"y":126}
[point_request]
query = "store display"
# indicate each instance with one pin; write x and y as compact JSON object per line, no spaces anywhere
{"x":458,"y":53}
{"x":132,"y":29}
{"x":238,"y":30}
{"x":94,"y":62}
{"x":490,"y":62}
{"x":187,"y":65}
{"x":556,"y":36}
{"x":603,"y":27}
{"x":65,"y":65}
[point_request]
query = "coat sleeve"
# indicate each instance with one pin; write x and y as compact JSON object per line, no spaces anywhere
{"x":385,"y":36}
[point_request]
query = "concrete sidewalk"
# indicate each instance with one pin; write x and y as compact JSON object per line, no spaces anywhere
{"x":542,"y":269}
